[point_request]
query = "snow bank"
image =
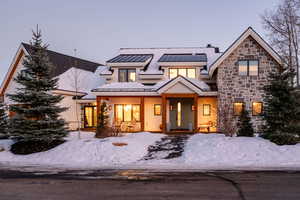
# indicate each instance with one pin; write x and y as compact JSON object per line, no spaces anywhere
{"x":213,"y":151}
{"x":88,"y":153}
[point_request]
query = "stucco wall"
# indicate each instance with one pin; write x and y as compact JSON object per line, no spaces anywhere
{"x":235,"y":88}
{"x":152,"y":122}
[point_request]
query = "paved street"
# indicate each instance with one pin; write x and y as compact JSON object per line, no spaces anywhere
{"x":132,"y":184}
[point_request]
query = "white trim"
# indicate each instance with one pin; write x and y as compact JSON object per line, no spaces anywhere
{"x":167,"y":64}
{"x":21,"y":47}
{"x":245,"y":35}
{"x":150,"y":76}
{"x":67,"y":92}
{"x":126,"y":93}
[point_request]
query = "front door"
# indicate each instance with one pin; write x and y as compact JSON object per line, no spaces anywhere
{"x":90,"y":116}
{"x":181,"y":114}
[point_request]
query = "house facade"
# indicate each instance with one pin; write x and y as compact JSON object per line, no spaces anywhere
{"x":175,"y":90}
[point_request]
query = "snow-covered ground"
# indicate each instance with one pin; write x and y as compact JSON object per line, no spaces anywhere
{"x":202,"y":152}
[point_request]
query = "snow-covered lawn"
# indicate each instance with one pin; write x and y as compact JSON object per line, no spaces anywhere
{"x":202,"y":151}
{"x":88,"y":152}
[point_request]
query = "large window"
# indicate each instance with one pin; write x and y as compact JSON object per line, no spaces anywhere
{"x":238,"y":108}
{"x":186,"y":72}
{"x":127,"y":75}
{"x":248,"y":67}
{"x":257,"y":108}
{"x":127,"y":112}
{"x":90,"y":116}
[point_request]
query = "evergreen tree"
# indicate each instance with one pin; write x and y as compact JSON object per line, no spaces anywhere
{"x":37,"y":113}
{"x":282,"y":108}
{"x":3,"y":122}
{"x":245,"y":126}
{"x":102,"y":123}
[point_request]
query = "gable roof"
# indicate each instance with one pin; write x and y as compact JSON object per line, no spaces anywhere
{"x":64,"y":62}
{"x":248,"y":32}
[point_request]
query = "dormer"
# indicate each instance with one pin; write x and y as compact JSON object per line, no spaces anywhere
{"x":186,"y":64}
{"x":125,"y":67}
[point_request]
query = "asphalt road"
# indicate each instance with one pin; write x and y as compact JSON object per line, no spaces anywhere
{"x":143,"y":185}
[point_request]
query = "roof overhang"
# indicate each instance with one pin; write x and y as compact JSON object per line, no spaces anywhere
{"x":68,"y":92}
{"x":128,"y":64}
{"x":236,"y":43}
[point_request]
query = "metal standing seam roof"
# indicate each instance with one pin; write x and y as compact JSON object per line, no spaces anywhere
{"x":128,"y":58}
{"x":183,"y":58}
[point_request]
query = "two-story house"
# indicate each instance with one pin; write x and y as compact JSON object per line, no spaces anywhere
{"x":182,"y":89}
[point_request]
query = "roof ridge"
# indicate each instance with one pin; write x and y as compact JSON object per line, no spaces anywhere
{"x":124,"y":48}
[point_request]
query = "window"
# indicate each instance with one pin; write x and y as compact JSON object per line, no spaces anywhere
{"x":128,"y":112}
{"x":238,"y":108}
{"x":90,"y":116}
{"x":157,"y":109}
{"x":178,"y":114}
{"x":248,"y":67}
{"x":127,"y":75}
{"x":186,"y":72}
{"x":257,"y":108}
{"x":206,"y":109}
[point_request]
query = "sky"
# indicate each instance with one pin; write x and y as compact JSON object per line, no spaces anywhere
{"x":98,"y":28}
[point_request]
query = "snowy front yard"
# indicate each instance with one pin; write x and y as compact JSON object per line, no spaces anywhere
{"x":201,"y":151}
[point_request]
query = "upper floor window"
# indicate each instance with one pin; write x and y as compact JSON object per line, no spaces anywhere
{"x":248,"y":67}
{"x":127,"y":75}
{"x":186,"y":72}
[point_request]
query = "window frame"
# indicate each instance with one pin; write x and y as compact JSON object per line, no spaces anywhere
{"x":186,"y":71}
{"x":155,"y":114}
{"x":248,"y":67}
{"x":243,"y":108}
{"x":209,"y":109}
{"x":262,"y":108}
{"x":126,"y":74}
{"x":131,"y":113}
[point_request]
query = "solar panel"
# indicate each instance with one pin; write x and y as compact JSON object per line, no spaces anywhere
{"x":128,"y":58}
{"x":183,"y":58}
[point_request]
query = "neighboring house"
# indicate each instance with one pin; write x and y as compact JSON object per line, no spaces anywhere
{"x":180,"y":89}
{"x":68,"y":69}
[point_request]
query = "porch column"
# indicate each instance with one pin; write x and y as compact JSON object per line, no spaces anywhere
{"x":142,"y":113}
{"x":164,"y":113}
{"x":196,"y":112}
{"x":98,"y":107}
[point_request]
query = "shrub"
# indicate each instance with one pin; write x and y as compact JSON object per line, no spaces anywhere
{"x":283,"y":139}
{"x":245,"y":126}
{"x":34,"y":146}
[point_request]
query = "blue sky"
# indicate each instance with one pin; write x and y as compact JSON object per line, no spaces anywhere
{"x":98,"y":28}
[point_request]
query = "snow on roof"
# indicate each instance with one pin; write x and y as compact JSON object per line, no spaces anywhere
{"x":153,"y":67}
{"x":106,"y":70}
{"x":123,"y":86}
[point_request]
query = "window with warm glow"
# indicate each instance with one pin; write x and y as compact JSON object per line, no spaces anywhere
{"x":186,"y":72}
{"x":128,"y":112}
{"x":178,"y":114}
{"x":127,"y":75}
{"x":257,"y":108}
{"x":248,"y":67}
{"x":206,"y":109}
{"x":157,"y":109}
{"x":238,"y":108}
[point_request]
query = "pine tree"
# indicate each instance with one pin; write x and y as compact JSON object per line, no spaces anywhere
{"x":282,"y":108}
{"x":3,"y":122}
{"x":245,"y":126}
{"x":37,"y":113}
{"x":102,"y":123}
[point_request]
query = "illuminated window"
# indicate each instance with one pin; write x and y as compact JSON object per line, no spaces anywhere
{"x":191,"y":73}
{"x":128,"y":112}
{"x":206,"y":109}
{"x":119,"y":113}
{"x":238,"y":108}
{"x":248,"y":67}
{"x":173,"y":73}
{"x":136,"y":112}
{"x":90,"y":116}
{"x":257,"y":108}
{"x":127,"y":75}
{"x":157,"y":109}
{"x":243,"y":68}
{"x":178,"y":114}
{"x":186,"y":72}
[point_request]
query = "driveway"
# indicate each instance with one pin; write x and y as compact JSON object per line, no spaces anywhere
{"x":137,"y":184}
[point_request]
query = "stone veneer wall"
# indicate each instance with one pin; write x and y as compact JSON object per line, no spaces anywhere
{"x":234,"y":88}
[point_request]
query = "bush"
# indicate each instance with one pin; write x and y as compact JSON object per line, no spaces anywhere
{"x":283,"y":139}
{"x":28,"y":147}
{"x":245,"y":128}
